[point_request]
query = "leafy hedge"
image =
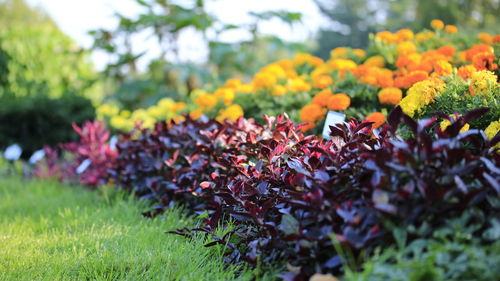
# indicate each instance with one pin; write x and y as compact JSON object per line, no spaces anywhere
{"x":33,"y":122}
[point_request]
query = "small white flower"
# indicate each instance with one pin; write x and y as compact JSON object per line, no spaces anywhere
{"x":13,"y":152}
{"x":83,"y":166}
{"x":37,"y":156}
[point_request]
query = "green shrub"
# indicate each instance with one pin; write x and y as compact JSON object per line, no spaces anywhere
{"x":33,"y":122}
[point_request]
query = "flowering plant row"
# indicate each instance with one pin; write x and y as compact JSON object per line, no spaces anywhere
{"x":280,"y":195}
{"x":430,"y":71}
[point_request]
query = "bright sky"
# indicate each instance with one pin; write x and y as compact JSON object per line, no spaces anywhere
{"x":77,"y":17}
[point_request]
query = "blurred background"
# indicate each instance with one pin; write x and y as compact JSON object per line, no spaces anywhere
{"x":61,"y":58}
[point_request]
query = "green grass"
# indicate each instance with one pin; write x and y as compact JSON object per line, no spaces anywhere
{"x":49,"y":231}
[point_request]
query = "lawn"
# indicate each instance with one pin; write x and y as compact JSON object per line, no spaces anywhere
{"x":50,"y":231}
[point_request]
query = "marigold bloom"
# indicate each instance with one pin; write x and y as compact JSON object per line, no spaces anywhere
{"x":196,"y":114}
{"x":233,"y":83}
{"x":322,"y":97}
{"x":232,"y":112}
{"x":445,"y":123}
{"x":339,"y":102}
{"x":275,"y":70}
{"x":227,"y":95}
{"x":448,"y":51}
{"x":279,"y":91}
{"x":339,"y":52}
{"x":245,"y":88}
{"x":264,"y":80}
{"x":482,"y":82}
{"x":470,"y":53}
{"x":406,"y":48}
{"x":206,"y":101}
{"x":387,"y":36}
{"x":484,"y":61}
{"x":322,"y":81}
{"x":377,"y":61}
{"x":377,"y":118}
{"x":410,"y":79}
{"x":312,"y":113}
{"x":437,"y":24}
{"x":496,"y":39}
{"x":342,"y":64}
{"x":466,"y":71}
{"x":390,"y":95}
{"x":298,"y":85}
{"x":421,"y":94}
{"x":443,"y":68}
{"x":451,"y":29}
{"x":492,"y":130}
{"x":405,"y":34}
{"x":360,"y":53}
{"x":307,"y":127}
{"x":485,"y":38}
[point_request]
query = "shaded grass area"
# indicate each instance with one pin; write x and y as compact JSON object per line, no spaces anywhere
{"x":49,"y":231}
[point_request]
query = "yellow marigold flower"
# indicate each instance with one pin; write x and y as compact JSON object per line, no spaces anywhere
{"x":485,"y":38}
{"x":360,"y":53}
{"x":226,"y":94}
{"x":443,"y":68}
{"x":279,"y":91}
{"x":303,"y":58}
{"x":466,"y":71}
{"x":264,"y":80}
{"x":322,"y":81}
{"x":245,"y":88}
{"x":107,"y":110}
{"x":339,"y":102}
{"x":285,"y":64}
{"x":445,"y":123}
{"x":166,"y":104}
{"x":179,"y":119}
{"x":195,"y":114}
{"x":312,"y":113}
{"x":121,"y":123}
{"x":451,"y":29}
{"x":233,"y":83}
{"x":377,"y":61}
{"x":125,"y":113}
{"x":156,"y":112}
{"x":339,"y":52}
{"x":492,"y":130}
{"x":406,"y":48}
{"x":424,"y":36}
{"x":342,"y":64}
{"x":377,"y":118}
{"x":322,"y":97}
{"x":232,"y":112}
{"x":298,"y":85}
{"x":482,"y":82}
{"x":275,"y":69}
{"x":421,"y":94}
{"x":206,"y":101}
{"x":405,"y":34}
{"x":390,"y":95}
{"x":437,"y":24}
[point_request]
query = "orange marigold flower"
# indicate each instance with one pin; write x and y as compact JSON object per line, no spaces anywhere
{"x":466,"y":71}
{"x":448,"y":51}
{"x":322,"y":81}
{"x":360,"y":53}
{"x":405,"y":34}
{"x":485,"y":38}
{"x":443,"y":68}
{"x":390,"y":95}
{"x":377,"y":118}
{"x":496,"y":39}
{"x":437,"y":24}
{"x":470,"y":53}
{"x":233,"y":83}
{"x":322,"y":97}
{"x":410,"y":79}
{"x":484,"y":61}
{"x":195,"y":114}
{"x":377,"y":61}
{"x":387,"y":36}
{"x":451,"y":29}
{"x":311,"y":113}
{"x":339,"y":102}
